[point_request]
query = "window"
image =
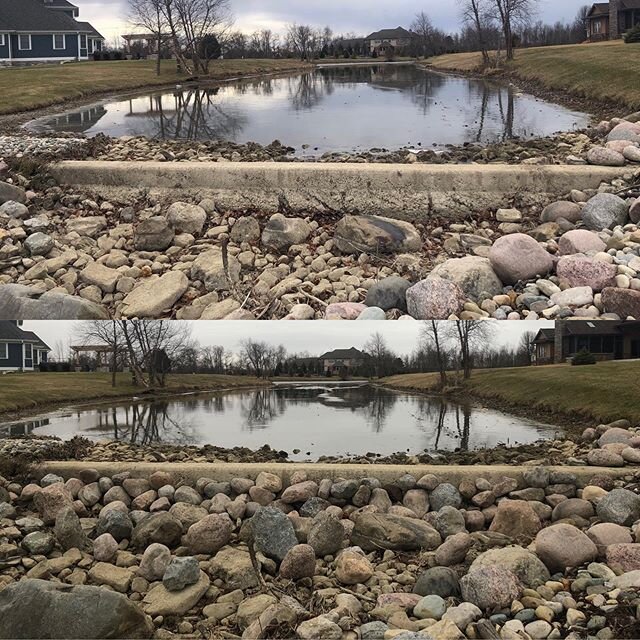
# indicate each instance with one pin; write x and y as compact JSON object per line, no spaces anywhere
{"x":59,"y":41}
{"x":4,"y":351}
{"x":2,"y":40}
{"x":24,"y":42}
{"x":28,"y":351}
{"x":83,"y":41}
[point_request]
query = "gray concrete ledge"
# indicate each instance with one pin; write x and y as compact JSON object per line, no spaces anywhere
{"x":402,"y":190}
{"x":191,"y":471}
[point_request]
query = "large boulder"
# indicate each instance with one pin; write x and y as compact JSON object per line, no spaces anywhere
{"x":562,"y":545}
{"x":529,"y":569}
{"x":51,"y":500}
{"x":580,"y":241}
{"x":210,"y":534}
{"x":518,"y":257}
{"x":516,"y":519}
{"x":158,"y":527}
{"x":68,"y":612}
{"x":434,"y":299}
{"x":619,"y":506}
{"x":605,"y":211}
{"x":186,"y":218}
{"x":490,"y":587}
{"x":20,"y":301}
{"x":281,"y":232}
{"x":581,"y":271}
{"x":374,"y":531}
{"x":375,"y":234}
{"x":473,"y":274}
{"x":273,"y":533}
{"x":623,"y":302}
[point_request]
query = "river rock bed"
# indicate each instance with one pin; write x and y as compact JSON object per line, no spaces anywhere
{"x":612,"y":445}
{"x":541,"y":554}
{"x":67,"y":253}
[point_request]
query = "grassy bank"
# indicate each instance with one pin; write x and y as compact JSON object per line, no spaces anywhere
{"x":601,"y":393}
{"x":603,"y":72}
{"x":26,"y":391}
{"x":28,"y":88}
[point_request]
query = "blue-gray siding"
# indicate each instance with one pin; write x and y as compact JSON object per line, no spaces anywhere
{"x":42,"y":47}
{"x":15,"y":356}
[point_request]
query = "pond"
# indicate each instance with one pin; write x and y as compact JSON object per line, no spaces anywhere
{"x":317,"y":418}
{"x":332,"y":108}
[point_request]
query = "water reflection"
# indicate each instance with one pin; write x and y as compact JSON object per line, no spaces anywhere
{"x":322,"y":418}
{"x":332,"y":108}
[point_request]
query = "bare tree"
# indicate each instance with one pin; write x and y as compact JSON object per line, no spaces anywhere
{"x":471,"y":335}
{"x":191,"y":21}
{"x":260,"y":357}
{"x":513,"y":13}
{"x":423,"y":27}
{"x":474,"y":14}
{"x":303,"y":40}
{"x":105,"y":332}
{"x":434,"y":333}
{"x":378,"y":350}
{"x":147,"y":14}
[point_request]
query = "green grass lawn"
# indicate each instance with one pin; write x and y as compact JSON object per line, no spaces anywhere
{"x":606,"y":71}
{"x":24,"y":391}
{"x":27,"y":88}
{"x":605,"y":392}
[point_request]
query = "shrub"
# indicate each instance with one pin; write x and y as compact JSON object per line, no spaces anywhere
{"x":633,"y":35}
{"x":584,"y":357}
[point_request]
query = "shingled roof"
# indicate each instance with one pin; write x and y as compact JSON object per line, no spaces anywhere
{"x":32,"y":16}
{"x":344,"y":354}
{"x":12,"y":332}
{"x":391,"y":34}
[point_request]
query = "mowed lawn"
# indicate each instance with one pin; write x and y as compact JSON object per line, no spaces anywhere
{"x":27,"y":88}
{"x":24,"y":391}
{"x":605,"y":392}
{"x":607,"y":71}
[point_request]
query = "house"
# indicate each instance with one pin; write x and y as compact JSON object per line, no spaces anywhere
{"x":340,"y":361}
{"x":390,"y":41}
{"x":20,"y":350}
{"x":605,"y":339}
{"x":610,"y":20}
{"x":34,"y":31}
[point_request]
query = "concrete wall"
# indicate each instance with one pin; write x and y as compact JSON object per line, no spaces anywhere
{"x":411,"y":192}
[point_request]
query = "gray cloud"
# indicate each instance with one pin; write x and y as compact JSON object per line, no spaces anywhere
{"x":359,"y":16}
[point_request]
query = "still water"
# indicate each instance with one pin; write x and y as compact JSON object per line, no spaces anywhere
{"x":317,"y":418}
{"x":332,"y":108}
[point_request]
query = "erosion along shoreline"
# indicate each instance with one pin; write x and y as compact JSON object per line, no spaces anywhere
{"x":311,"y":551}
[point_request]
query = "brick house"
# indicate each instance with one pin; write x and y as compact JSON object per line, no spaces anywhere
{"x":610,"y":20}
{"x":390,"y":41}
{"x":340,"y":361}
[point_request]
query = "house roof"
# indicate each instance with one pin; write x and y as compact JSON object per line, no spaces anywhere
{"x":11,"y":331}
{"x":629,"y":4}
{"x":390,"y":34}
{"x":90,"y":29}
{"x":33,"y":16}
{"x":591,"y":328}
{"x":599,"y":9}
{"x":343,"y":354}
{"x":545,"y":335}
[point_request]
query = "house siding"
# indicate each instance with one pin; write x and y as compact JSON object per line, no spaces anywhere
{"x":15,"y":357}
{"x":42,"y":47}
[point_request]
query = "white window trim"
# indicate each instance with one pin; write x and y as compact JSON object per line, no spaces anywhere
{"x":28,"y":345}
{"x":86,"y":40}
{"x":64,"y":41}
{"x":3,"y":42}
{"x":4,"y":350}
{"x":20,"y":47}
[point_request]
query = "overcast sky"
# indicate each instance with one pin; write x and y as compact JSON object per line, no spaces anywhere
{"x":316,"y":337}
{"x":343,"y":16}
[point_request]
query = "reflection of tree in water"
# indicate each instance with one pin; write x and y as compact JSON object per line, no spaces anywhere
{"x":307,"y":90}
{"x":146,"y":423}
{"x":378,"y":409}
{"x":260,"y":407}
{"x":431,"y":418}
{"x":193,"y":114}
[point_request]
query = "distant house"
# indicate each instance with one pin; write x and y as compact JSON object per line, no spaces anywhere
{"x":340,"y":361}
{"x":390,"y":41}
{"x":34,"y":31}
{"x":20,"y":350}
{"x":610,"y":20}
{"x":606,"y":339}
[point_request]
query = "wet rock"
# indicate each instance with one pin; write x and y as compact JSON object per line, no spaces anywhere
{"x":519,"y":257}
{"x":375,"y":234}
{"x":434,"y":299}
{"x":604,"y":211}
{"x":105,"y":614}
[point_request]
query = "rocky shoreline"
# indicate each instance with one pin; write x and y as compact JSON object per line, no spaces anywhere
{"x":544,"y":553}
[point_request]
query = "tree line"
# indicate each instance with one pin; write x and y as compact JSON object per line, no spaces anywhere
{"x":150,"y":350}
